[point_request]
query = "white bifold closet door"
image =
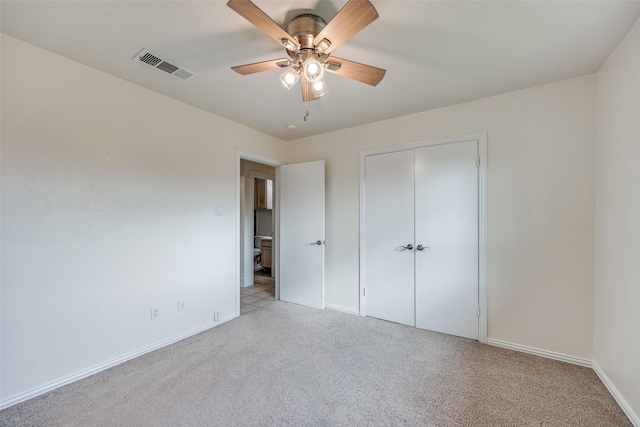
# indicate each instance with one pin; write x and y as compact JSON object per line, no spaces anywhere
{"x":446,"y":208}
{"x":421,"y":234}
{"x":389,"y":196}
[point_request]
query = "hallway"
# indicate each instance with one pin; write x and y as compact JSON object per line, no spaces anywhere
{"x":260,"y":294}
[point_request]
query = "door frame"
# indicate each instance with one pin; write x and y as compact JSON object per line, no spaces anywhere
{"x":481,"y":137}
{"x":247,"y":155}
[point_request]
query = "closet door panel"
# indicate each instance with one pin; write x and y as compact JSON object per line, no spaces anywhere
{"x":389,"y":214}
{"x":446,"y":221}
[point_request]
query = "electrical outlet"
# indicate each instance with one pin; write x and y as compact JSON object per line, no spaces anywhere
{"x":216,"y":316}
{"x":155,"y":313}
{"x":180,"y":305}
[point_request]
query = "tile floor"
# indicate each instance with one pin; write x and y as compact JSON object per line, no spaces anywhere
{"x":261,"y":293}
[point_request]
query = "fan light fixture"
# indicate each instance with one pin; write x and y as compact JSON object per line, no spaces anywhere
{"x":319,"y":88}
{"x":289,"y":78}
{"x":312,"y":69}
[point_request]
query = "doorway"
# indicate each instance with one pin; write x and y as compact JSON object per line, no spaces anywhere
{"x":257,"y":232}
{"x":297,"y":260}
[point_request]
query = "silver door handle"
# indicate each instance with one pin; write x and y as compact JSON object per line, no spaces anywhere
{"x":408,"y":247}
{"x":420,"y":247}
{"x":318,"y":242}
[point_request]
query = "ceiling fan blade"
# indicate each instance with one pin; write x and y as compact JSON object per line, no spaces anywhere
{"x":260,"y":66}
{"x":257,"y":17}
{"x":353,"y":17}
{"x":356,"y":71}
{"x":307,"y":93}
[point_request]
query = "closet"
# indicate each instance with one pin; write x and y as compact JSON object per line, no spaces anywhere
{"x":421,"y":237}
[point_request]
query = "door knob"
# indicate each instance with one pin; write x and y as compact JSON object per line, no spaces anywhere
{"x":408,"y":247}
{"x":420,"y":247}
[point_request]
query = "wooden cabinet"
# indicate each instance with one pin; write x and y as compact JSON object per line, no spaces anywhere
{"x":265,"y":246}
{"x":260,"y":194}
{"x":263,"y":194}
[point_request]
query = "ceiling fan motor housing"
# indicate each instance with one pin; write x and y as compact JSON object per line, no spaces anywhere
{"x":304,"y":28}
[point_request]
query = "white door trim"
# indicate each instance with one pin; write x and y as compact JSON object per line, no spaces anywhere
{"x":481,"y":137}
{"x":247,"y":155}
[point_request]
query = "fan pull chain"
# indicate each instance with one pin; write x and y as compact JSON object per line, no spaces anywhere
{"x":306,"y":110}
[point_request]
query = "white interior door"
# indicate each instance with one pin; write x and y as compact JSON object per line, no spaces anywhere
{"x":389,"y":205}
{"x":302,"y":233}
{"x":446,"y":195}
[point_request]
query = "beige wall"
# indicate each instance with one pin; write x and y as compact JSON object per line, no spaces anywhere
{"x":617,"y":292}
{"x":541,"y":177}
{"x":108,"y":196}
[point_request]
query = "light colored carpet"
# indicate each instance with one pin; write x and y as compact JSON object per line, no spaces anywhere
{"x":287,"y":365}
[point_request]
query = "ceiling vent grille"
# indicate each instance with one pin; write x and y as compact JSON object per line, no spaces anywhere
{"x":154,"y":61}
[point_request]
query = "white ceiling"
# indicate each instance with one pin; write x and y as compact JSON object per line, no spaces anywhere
{"x":436,"y":53}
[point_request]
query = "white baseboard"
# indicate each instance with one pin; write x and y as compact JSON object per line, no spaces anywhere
{"x":10,"y":401}
{"x":633,"y":417}
{"x":342,"y":309}
{"x":539,"y":352}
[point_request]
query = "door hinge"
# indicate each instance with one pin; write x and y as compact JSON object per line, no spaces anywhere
{"x":477,"y":310}
{"x":364,"y":174}
{"x":364,"y":291}
{"x":478,"y":161}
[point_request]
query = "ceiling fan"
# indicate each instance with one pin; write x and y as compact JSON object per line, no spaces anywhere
{"x":309,"y":42}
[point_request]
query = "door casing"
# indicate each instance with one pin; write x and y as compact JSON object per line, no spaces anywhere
{"x":481,"y":138}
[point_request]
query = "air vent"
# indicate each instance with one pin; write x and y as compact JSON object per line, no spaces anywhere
{"x":159,"y":63}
